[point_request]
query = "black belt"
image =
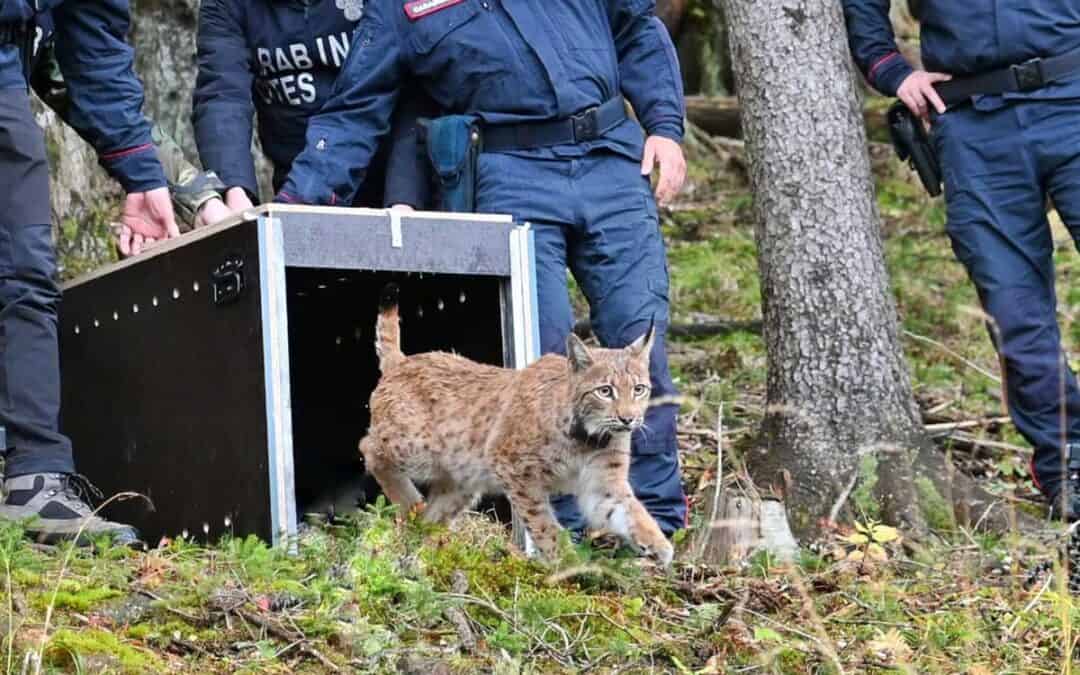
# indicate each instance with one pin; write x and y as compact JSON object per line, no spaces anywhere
{"x":587,"y":125}
{"x":1022,"y":77}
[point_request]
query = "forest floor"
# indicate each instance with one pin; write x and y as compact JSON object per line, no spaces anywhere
{"x":372,"y":595}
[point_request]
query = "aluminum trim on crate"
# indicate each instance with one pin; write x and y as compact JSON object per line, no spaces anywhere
{"x":525,"y":330}
{"x":276,"y":368}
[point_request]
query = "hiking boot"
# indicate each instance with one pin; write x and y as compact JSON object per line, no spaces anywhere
{"x":1065,"y":502}
{"x":54,"y":508}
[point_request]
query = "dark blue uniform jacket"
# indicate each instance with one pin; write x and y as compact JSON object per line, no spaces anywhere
{"x":504,"y":60}
{"x":280,"y":58}
{"x":966,"y":37}
{"x":106,"y":97}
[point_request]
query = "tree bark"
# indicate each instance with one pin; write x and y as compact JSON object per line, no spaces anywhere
{"x":838,"y":387}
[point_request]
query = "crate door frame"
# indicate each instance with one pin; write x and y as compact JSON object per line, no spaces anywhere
{"x":521,"y":346}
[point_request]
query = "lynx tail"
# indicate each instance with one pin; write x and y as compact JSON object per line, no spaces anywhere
{"x":388,"y":329}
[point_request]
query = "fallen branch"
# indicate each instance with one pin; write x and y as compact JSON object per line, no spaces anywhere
{"x":965,"y":424}
{"x":710,"y":328}
{"x":967,"y":362}
{"x":722,"y":115}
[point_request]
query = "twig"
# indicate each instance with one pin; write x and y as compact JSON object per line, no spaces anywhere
{"x":199,"y":621}
{"x":718,"y":493}
{"x":1030,"y":605}
{"x":491,"y":607}
{"x":995,"y":445}
{"x":842,"y":499}
{"x":967,"y":362}
{"x":284,"y":634}
{"x":965,"y":424}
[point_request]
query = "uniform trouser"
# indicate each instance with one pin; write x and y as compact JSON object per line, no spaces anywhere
{"x":596,"y":215}
{"x":29,"y":359}
{"x":1000,"y":167}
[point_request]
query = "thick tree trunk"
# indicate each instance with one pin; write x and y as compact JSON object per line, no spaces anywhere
{"x":839,"y":394}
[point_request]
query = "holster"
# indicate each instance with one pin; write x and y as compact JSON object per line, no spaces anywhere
{"x":452,"y":144}
{"x":913,"y":146}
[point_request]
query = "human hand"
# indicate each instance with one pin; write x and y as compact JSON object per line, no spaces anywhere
{"x":147,"y":218}
{"x":236,"y":198}
{"x":404,"y":208}
{"x":669,"y":156}
{"x":213,"y":211}
{"x":918,"y":93}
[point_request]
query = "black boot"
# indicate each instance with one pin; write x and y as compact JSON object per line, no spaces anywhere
{"x":1065,"y":502}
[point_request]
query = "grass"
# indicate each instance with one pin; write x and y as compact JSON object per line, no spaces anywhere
{"x":372,"y":594}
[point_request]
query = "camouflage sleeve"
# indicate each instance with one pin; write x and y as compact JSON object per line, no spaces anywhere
{"x":190,"y":187}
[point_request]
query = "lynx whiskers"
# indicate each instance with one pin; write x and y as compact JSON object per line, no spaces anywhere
{"x":560,"y":426}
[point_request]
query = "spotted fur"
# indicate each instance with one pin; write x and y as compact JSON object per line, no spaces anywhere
{"x":560,"y":426}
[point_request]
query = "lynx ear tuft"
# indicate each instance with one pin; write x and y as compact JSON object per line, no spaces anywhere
{"x":577,"y":353}
{"x":643,"y":345}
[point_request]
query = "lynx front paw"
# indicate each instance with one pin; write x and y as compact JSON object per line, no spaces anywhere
{"x":662,"y":552}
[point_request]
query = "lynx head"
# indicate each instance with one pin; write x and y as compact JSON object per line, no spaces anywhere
{"x":609,"y":388}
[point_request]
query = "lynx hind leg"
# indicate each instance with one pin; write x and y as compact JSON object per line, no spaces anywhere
{"x":608,"y":502}
{"x":395,"y":484}
{"x":446,"y":500}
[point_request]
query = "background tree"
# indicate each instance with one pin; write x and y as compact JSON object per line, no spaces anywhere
{"x":840,"y":411}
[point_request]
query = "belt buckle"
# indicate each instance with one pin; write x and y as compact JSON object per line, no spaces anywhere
{"x":1029,"y":75}
{"x":585,"y":124}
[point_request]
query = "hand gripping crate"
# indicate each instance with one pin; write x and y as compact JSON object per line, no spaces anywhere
{"x":225,"y":375}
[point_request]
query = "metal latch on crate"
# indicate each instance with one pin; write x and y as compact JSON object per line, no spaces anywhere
{"x":228,"y":279}
{"x":395,"y":229}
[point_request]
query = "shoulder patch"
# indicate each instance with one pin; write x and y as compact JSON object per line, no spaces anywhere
{"x":418,"y":9}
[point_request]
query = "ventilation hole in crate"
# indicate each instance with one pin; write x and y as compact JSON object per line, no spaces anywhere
{"x":322,"y":287}
{"x":176,"y":294}
{"x":154,"y":301}
{"x":77,"y":330}
{"x":461,"y":298}
{"x":134,"y":309}
{"x":96,"y":323}
{"x":440,"y":304}
{"x":116,"y":316}
{"x":420,"y":312}
{"x":195,"y":286}
{"x":337,"y":341}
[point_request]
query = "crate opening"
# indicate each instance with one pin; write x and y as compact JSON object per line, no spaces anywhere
{"x":333,"y":367}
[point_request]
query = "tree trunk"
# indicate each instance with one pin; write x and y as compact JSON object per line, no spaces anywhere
{"x":842,"y":432}
{"x":839,"y":402}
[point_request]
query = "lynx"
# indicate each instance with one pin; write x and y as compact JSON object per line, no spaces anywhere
{"x":560,"y":426}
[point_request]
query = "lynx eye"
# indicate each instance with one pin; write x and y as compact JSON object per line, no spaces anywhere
{"x":640,"y":390}
{"x":606,"y":392}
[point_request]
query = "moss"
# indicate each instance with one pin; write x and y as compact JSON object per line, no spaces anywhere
{"x":866,"y":504}
{"x":76,"y":598}
{"x":937,"y":511}
{"x":71,"y":650}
